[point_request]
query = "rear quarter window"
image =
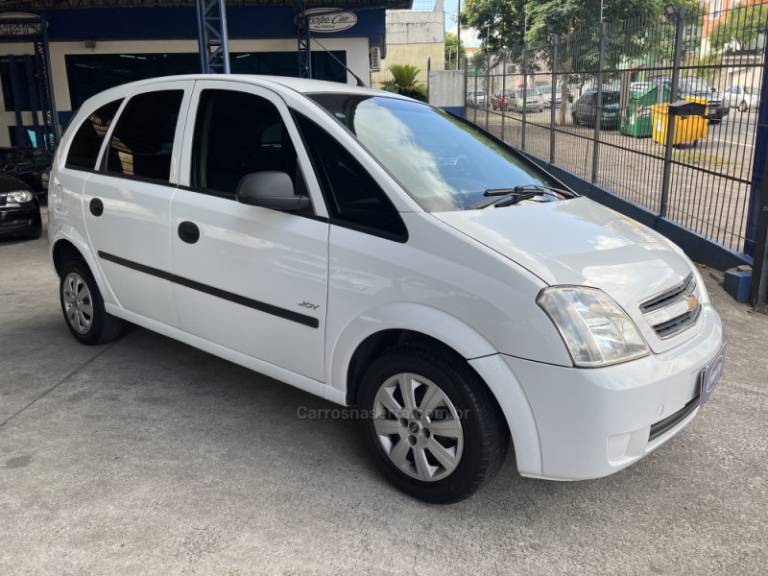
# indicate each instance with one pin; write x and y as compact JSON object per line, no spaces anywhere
{"x":89,"y":136}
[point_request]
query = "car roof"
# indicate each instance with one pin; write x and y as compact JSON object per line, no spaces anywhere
{"x":301,"y":85}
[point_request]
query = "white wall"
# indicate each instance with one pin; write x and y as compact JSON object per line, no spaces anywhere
{"x":446,"y":88}
{"x":415,"y":26}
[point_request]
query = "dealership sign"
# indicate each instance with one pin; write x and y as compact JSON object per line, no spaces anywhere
{"x":329,"y":20}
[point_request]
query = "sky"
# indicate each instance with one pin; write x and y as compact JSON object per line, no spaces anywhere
{"x":468,"y":36}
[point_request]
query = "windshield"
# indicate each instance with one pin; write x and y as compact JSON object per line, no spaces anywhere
{"x":441,"y":162}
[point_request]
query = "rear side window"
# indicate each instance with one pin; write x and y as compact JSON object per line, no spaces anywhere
{"x":142,"y":141}
{"x":87,"y":141}
{"x":352,"y":196}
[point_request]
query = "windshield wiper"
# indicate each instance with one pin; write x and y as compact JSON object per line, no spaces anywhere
{"x":519,"y":193}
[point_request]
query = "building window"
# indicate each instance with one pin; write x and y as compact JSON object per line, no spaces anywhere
{"x":89,"y":74}
{"x":16,"y":82}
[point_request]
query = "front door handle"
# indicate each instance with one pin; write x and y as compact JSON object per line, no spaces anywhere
{"x":189,"y":232}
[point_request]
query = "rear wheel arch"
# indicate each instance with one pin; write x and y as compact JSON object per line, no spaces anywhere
{"x":63,"y":251}
{"x":73,"y":247}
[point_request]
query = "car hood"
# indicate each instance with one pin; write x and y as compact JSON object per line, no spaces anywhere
{"x":578,"y":242}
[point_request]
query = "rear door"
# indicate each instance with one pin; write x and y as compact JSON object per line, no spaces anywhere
{"x":128,"y":199}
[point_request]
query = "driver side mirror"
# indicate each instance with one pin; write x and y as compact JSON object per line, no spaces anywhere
{"x":270,"y":189}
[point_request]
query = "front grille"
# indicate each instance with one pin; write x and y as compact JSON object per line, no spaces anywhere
{"x":674,"y":310}
{"x":665,"y":297}
{"x":678,"y":324}
{"x":663,"y":426}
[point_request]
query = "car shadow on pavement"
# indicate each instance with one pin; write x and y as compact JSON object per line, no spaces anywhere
{"x":172,"y":398}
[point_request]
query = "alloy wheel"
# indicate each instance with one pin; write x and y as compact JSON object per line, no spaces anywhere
{"x":78,"y":303}
{"x":418,"y":427}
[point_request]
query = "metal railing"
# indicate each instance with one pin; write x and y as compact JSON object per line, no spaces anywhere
{"x":595,"y":103}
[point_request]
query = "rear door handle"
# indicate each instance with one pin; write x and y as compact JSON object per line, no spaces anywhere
{"x":96,"y":206}
{"x":189,"y":232}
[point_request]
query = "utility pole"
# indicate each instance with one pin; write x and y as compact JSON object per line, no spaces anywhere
{"x":458,"y":34}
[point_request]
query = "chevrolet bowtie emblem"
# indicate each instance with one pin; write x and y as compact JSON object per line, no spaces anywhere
{"x":693,"y":302}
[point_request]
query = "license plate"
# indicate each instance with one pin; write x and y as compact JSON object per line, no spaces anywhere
{"x":709,"y":377}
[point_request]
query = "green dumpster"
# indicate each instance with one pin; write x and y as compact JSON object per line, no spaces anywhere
{"x":636,"y":120}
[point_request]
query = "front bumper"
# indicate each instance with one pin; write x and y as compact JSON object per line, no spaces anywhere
{"x":717,"y":112}
{"x":14,"y":220}
{"x":594,"y":422}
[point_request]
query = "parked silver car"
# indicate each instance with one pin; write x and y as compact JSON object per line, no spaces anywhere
{"x":742,"y":97}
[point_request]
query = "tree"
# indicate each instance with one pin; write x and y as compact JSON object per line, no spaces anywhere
{"x":405,"y":81}
{"x":450,"y":50}
{"x":502,"y":24}
{"x":741,"y":27}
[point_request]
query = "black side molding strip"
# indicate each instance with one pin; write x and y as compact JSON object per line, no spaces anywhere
{"x":219,"y":293}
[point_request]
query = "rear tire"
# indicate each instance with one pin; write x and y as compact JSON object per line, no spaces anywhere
{"x":743,"y":107}
{"x":450,"y":440}
{"x":83,"y":306}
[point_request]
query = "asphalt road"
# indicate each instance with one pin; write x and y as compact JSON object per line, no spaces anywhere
{"x":149,"y":457}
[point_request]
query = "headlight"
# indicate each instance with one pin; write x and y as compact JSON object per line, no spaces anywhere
{"x":19,"y":197}
{"x":595,"y":329}
{"x":701,"y":289}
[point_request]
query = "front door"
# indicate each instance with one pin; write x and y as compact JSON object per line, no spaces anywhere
{"x":127,"y":201}
{"x":249,"y":278}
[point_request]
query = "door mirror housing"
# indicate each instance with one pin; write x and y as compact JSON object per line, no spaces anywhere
{"x":270,"y":189}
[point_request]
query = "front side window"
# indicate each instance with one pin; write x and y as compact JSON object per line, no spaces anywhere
{"x":142,"y":141}
{"x":88,"y":138}
{"x":440,"y":161}
{"x":236,"y":134}
{"x":352,"y":195}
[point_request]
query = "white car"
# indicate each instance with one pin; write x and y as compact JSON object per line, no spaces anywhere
{"x":545,"y":93}
{"x":379,"y":253}
{"x":529,"y":100}
{"x":741,"y":97}
{"x":477,"y":99}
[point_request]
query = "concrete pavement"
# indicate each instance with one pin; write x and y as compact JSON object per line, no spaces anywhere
{"x":149,"y":457}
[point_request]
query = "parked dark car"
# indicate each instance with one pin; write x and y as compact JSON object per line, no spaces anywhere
{"x":19,"y":209}
{"x":694,"y":87}
{"x":26,"y":164}
{"x":584,"y":110}
{"x":698,"y":88}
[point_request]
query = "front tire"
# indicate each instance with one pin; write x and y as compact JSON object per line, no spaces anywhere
{"x":83,"y":306}
{"x":433,"y":428}
{"x":743,"y":107}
